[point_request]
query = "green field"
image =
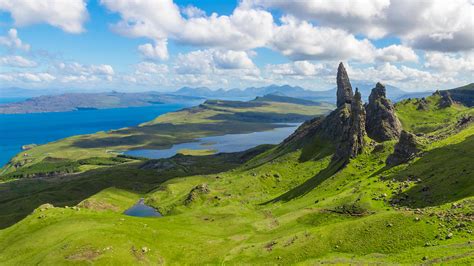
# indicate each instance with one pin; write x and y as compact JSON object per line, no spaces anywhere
{"x":269,"y":205}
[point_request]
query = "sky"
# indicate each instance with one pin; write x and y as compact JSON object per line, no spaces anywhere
{"x":140,"y":45}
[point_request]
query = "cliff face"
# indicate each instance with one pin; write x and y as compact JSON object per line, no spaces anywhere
{"x":345,"y":125}
{"x":357,"y":130}
{"x":463,"y":95}
{"x":446,"y":100}
{"x":382,"y":122}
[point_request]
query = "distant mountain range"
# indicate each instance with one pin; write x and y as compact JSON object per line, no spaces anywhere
{"x":53,"y":101}
{"x":394,"y":93}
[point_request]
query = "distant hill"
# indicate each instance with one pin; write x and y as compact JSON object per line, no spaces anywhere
{"x":464,"y":94}
{"x":285,"y":99}
{"x":84,"y":101}
{"x":394,"y":93}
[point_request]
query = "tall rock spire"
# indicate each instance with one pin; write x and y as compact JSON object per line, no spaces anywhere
{"x":357,"y":131}
{"x":382,"y":122}
{"x":352,"y":141}
{"x":344,"y":88}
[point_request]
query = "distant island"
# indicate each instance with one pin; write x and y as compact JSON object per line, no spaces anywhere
{"x":90,"y":101}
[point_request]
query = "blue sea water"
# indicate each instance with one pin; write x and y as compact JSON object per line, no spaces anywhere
{"x":21,"y":129}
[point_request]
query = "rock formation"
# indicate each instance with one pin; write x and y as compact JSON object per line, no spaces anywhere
{"x":344,"y":127}
{"x":196,"y":192}
{"x":406,"y":149}
{"x":344,"y":88}
{"x":382,"y":122}
{"x":446,"y":100}
{"x":356,"y":131}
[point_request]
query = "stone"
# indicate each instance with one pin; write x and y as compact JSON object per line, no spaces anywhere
{"x":382,"y":123}
{"x":344,"y":127}
{"x":449,"y":236}
{"x":446,"y":100}
{"x":352,"y":130}
{"x":344,"y":88}
{"x":196,"y":192}
{"x":422,"y":105}
{"x":464,"y":121}
{"x":405,"y":150}
{"x":357,"y":131}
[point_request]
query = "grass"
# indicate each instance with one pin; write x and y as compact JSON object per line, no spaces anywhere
{"x":262,"y":206}
{"x":196,"y":152}
{"x":432,"y":118}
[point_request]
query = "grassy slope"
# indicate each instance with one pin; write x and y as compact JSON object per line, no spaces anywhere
{"x":340,"y":218}
{"x":297,"y":230}
{"x":172,"y":128}
{"x":432,"y":119}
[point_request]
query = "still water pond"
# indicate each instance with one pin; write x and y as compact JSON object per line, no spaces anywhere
{"x":225,"y":143}
{"x":140,"y":209}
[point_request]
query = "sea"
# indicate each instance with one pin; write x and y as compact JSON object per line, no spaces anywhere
{"x":17,"y":130}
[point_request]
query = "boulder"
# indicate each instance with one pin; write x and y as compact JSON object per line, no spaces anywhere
{"x":446,"y":100}
{"x":422,"y":105}
{"x":406,"y":149}
{"x":382,"y":123}
{"x":196,"y":192}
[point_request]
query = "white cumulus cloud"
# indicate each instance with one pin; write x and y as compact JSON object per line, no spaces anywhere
{"x":69,"y":15}
{"x":429,"y":25}
{"x":159,"y":50}
{"x":301,"y":40}
{"x":11,"y":40}
{"x":17,"y":61}
{"x":396,"y":53}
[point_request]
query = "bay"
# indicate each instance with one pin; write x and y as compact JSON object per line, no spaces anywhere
{"x":39,"y":128}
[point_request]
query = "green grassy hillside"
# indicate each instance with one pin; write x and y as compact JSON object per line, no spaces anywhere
{"x":272,"y":205}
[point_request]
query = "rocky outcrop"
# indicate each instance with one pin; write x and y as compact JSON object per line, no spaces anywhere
{"x":344,"y":88}
{"x":422,"y":105}
{"x":382,"y":122}
{"x":343,"y":127}
{"x":357,"y":127}
{"x":463,"y":95}
{"x":405,"y":150}
{"x":446,"y":100}
{"x":346,"y":125}
{"x":464,"y":121}
{"x":196,"y":192}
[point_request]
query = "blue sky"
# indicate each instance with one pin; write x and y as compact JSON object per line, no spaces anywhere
{"x":163,"y":44}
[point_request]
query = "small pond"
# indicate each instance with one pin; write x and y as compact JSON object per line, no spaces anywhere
{"x":140,"y":209}
{"x":225,"y":143}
